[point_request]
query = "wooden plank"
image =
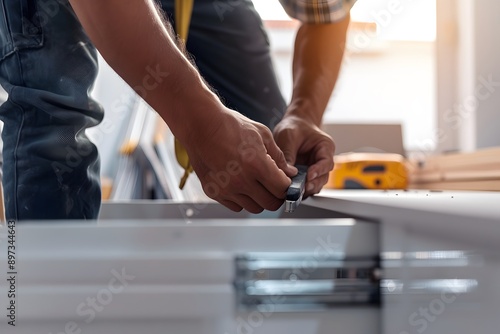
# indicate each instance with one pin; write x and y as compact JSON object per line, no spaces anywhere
{"x":456,"y":175}
{"x":460,"y":161}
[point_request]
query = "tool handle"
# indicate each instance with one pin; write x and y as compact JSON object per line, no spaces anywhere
{"x":296,"y":189}
{"x":298,"y":186}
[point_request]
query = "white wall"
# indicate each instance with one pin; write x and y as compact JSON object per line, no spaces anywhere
{"x":487,"y":63}
{"x":468,"y":47}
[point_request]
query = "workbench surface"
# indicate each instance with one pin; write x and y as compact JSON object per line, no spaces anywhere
{"x":466,"y":215}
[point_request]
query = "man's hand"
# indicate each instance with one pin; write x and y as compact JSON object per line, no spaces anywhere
{"x":304,"y":143}
{"x":317,"y":58}
{"x":238,"y":162}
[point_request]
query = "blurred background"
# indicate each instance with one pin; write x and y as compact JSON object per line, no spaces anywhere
{"x":389,"y":73}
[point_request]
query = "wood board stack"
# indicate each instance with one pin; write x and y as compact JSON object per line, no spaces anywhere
{"x":478,"y":170}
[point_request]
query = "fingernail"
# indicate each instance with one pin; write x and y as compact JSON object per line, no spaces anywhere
{"x":314,"y":175}
{"x":310,"y":187}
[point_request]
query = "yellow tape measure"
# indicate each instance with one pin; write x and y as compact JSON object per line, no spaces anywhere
{"x":183,"y":12}
{"x":368,"y":171}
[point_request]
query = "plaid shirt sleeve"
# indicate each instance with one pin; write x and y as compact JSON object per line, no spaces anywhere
{"x":317,"y":11}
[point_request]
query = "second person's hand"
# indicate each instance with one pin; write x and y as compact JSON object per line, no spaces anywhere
{"x":305,"y":143}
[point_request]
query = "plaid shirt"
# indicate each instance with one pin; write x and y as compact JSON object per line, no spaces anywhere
{"x":317,"y":11}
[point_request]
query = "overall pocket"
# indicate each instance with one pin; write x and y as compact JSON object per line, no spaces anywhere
{"x":20,"y":26}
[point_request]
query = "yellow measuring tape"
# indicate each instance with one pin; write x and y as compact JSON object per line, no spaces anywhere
{"x":183,"y":11}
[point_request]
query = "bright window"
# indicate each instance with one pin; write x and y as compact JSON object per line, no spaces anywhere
{"x":387,"y":77}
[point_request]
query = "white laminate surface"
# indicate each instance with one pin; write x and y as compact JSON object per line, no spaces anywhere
{"x":464,"y":215}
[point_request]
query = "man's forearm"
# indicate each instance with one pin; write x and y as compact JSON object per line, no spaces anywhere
{"x":136,"y":42}
{"x":318,"y":55}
